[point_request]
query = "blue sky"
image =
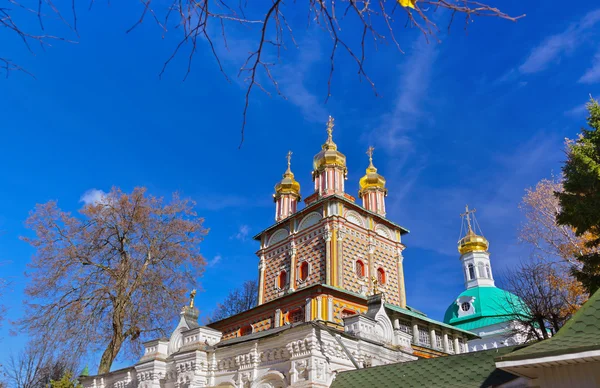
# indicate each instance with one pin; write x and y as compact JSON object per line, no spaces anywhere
{"x":475,"y":118}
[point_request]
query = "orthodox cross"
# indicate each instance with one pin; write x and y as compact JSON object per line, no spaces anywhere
{"x":192,"y":296}
{"x":370,"y":153}
{"x":289,"y":159}
{"x":330,"y":125}
{"x":467,"y":215}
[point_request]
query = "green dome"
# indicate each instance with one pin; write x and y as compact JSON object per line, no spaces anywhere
{"x":492,"y":305}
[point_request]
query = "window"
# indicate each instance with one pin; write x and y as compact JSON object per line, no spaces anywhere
{"x":282,"y":280}
{"x":424,"y":338}
{"x":465,"y":306}
{"x":488,"y":272}
{"x":303,"y":272}
{"x":405,"y":326}
{"x":360,"y":269}
{"x":380,"y":276}
{"x":471,"y":272}
{"x":438,"y":340}
{"x":480,"y":270}
{"x":296,"y":315}
{"x":245,"y":330}
{"x":450,"y":344}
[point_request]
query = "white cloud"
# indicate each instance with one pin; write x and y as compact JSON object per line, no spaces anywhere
{"x":214,"y":261}
{"x":92,"y":196}
{"x":592,"y":75}
{"x":292,"y":80}
{"x":393,"y":132}
{"x":555,"y":46}
{"x":242,"y":233}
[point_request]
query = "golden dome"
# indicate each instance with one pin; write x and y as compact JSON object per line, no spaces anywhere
{"x":288,"y":184}
{"x":472,"y":243}
{"x":371,"y":179}
{"x":329,"y":154}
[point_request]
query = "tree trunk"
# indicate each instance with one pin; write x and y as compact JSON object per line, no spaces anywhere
{"x":118,"y":337}
{"x":110,"y":354}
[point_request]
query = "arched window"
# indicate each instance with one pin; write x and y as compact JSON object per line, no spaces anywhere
{"x":488,"y":272}
{"x":303,"y":271}
{"x":282,"y":280}
{"x":360,"y":269}
{"x":471,"y":271}
{"x":480,"y":270}
{"x":296,"y":315}
{"x":380,"y":276}
{"x":245,"y":330}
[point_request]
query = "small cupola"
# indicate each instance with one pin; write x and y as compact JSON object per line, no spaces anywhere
{"x":372,"y":188}
{"x":287,"y":193}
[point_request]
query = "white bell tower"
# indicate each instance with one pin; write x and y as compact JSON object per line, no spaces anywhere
{"x":474,"y":254}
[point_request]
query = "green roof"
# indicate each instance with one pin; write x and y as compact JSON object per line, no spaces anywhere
{"x":581,"y":333}
{"x":466,"y":370}
{"x":492,"y":305}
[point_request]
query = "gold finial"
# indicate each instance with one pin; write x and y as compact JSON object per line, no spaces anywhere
{"x":374,"y":285}
{"x":370,"y":153}
{"x":467,"y":215}
{"x":330,"y":125}
{"x":289,"y":160}
{"x":192,"y":296}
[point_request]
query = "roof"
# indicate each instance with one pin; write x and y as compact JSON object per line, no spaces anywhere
{"x":410,"y":311}
{"x":580,"y":334}
{"x":466,"y":370}
{"x":423,"y":317}
{"x":379,"y":217}
{"x":492,"y":305}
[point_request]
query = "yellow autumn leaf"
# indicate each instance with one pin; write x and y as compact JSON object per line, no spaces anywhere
{"x":407,"y":3}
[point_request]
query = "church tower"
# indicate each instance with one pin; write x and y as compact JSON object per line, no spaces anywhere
{"x":329,"y":167}
{"x":287,"y":193}
{"x":372,"y":188}
{"x":474,"y":253}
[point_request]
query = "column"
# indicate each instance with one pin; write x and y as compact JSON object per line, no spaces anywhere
{"x":456,"y":348}
{"x":261,"y":279}
{"x":319,"y":307}
{"x":445,"y":342}
{"x":432,"y":339}
{"x":328,"y":236}
{"x":277,"y":322}
{"x":340,"y":259}
{"x":292,"y":279}
{"x":415,"y":333}
{"x":330,"y":309}
{"x":401,"y":288}
{"x":370,"y":257}
{"x":308,"y":310}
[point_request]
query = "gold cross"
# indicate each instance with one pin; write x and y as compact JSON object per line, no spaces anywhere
{"x":467,"y":215}
{"x":289,"y":159}
{"x":192,"y":296}
{"x":330,"y":125}
{"x":370,"y":153}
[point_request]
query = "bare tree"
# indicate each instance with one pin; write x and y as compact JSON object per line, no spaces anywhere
{"x":549,"y":241}
{"x":35,"y":366}
{"x":238,"y":300}
{"x":114,"y":274}
{"x":543,"y":305}
{"x":210,"y":21}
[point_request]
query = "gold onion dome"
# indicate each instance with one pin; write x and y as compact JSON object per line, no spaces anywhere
{"x":472,"y":242}
{"x":329,"y":154}
{"x":372,"y":179}
{"x":288,"y":184}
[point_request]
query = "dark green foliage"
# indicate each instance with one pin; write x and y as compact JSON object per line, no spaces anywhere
{"x":580,"y":201}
